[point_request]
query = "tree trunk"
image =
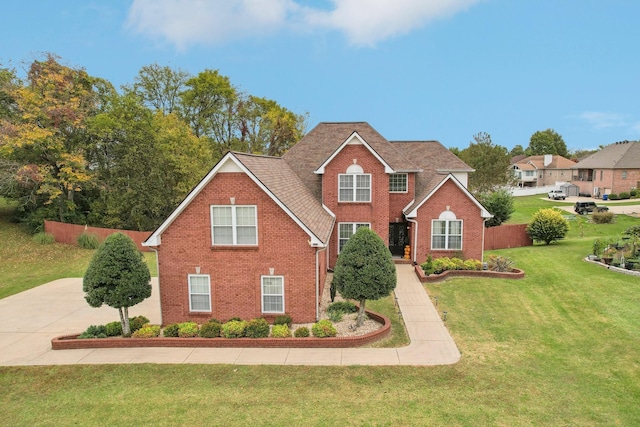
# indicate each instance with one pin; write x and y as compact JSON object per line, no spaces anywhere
{"x":124,"y":320}
{"x":361,"y":313}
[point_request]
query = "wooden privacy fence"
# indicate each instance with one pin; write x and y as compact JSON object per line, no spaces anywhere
{"x":68,"y":233}
{"x":506,"y":236}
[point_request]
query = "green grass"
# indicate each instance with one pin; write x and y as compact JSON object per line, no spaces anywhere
{"x":559,"y":347}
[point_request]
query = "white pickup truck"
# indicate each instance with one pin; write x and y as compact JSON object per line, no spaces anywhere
{"x":557,"y":194}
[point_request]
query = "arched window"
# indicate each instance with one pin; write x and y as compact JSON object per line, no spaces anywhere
{"x":446,"y":232}
{"x":355,"y":185}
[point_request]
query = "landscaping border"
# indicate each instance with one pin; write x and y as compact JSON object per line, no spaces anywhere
{"x":515,"y":273}
{"x":71,"y":342}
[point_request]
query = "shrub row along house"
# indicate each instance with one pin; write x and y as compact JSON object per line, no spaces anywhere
{"x":256,"y":237}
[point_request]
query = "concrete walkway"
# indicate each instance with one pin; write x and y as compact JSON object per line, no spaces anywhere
{"x":29,"y":320}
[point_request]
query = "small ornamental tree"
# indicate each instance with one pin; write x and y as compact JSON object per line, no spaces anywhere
{"x":500,"y":204}
{"x":365,"y":269}
{"x":548,"y":225}
{"x":118,"y":277}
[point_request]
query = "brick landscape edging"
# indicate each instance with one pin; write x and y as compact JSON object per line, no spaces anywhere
{"x":71,"y":342}
{"x":515,"y":273}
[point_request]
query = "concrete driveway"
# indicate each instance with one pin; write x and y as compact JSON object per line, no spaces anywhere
{"x":613,"y":205}
{"x":30,"y":319}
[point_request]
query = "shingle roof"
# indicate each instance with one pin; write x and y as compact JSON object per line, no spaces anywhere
{"x":557,"y":162}
{"x":621,"y":155}
{"x":285,"y":185}
{"x":321,"y":142}
{"x":435,"y":162}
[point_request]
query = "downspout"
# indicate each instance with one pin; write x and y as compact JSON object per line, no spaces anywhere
{"x":318,"y":283}
{"x":158,"y":270}
{"x":415,"y":238}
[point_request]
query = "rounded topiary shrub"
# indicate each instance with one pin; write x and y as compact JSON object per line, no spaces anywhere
{"x":614,"y":196}
{"x":188,"y":330}
{"x":137,"y":322}
{"x":301,"y":332}
{"x":233,"y":329}
{"x":171,"y":331}
{"x":280,"y":331}
{"x":210,"y":330}
{"x":548,"y":225}
{"x":624,"y":195}
{"x":323,"y":329}
{"x":283,"y":319}
{"x":147,"y":331}
{"x":257,"y":328}
{"x":113,"y":329}
{"x":94,"y":331}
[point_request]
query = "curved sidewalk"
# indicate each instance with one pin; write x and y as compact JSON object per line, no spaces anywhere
{"x":29,"y":320}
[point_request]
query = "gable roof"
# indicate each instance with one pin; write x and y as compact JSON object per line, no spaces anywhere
{"x":326,"y":139}
{"x":620,"y":155}
{"x":276,"y":179}
{"x":537,"y":162}
{"x":435,"y":162}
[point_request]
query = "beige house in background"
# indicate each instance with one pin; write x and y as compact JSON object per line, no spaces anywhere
{"x":614,"y":169}
{"x":538,"y":171}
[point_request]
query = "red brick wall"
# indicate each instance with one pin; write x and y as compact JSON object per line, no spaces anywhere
{"x":235,"y":272}
{"x":464,"y":208}
{"x":376,"y":212}
{"x":398,"y":201}
{"x":68,"y":233}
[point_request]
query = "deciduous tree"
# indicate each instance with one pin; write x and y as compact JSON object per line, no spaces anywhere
{"x":547,"y":142}
{"x":491,"y":163}
{"x":500,"y":204}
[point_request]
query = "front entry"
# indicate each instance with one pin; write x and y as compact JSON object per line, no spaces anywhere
{"x":398,"y":237}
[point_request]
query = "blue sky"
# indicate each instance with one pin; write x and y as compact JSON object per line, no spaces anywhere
{"x":413,"y":69}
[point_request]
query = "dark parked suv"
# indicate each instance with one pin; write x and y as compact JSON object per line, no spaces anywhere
{"x":588,"y":207}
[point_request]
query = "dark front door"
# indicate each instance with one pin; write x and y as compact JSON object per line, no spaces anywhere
{"x":398,"y":238}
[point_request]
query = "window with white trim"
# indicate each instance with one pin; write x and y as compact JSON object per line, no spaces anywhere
{"x":446,"y":232}
{"x":234,"y":225}
{"x":273,"y":294}
{"x":354,"y":187}
{"x":398,"y":183}
{"x":199,"y":292}
{"x":346,"y":230}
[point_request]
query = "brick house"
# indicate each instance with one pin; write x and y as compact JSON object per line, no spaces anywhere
{"x":256,"y":236}
{"x":537,"y":171}
{"x":613,"y":169}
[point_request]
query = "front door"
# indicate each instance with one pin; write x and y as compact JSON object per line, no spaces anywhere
{"x":398,"y":238}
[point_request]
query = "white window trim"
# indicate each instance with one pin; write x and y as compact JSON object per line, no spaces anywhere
{"x":447,"y":235}
{"x":406,"y":183}
{"x":353,"y":229}
{"x":194,"y":293}
{"x":354,"y":188}
{"x":262,"y":294}
{"x":233,"y":224}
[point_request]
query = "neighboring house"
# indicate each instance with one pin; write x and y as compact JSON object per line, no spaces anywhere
{"x":256,"y":236}
{"x":538,"y":171}
{"x":613,"y":169}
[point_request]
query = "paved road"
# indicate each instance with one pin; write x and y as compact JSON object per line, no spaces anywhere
{"x":29,"y":320}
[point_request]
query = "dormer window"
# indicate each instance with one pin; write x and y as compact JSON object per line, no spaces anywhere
{"x":355,"y":185}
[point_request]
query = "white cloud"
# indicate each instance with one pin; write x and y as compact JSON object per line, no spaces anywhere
{"x":364,"y":22}
{"x":602,"y":120}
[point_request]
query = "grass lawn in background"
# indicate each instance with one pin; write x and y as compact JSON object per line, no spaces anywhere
{"x":559,"y":347}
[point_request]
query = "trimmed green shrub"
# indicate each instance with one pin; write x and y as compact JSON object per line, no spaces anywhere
{"x":633,"y":193}
{"x":301,"y":332}
{"x":624,"y":195}
{"x":113,"y":329}
{"x":233,"y":329}
{"x":171,"y":331}
{"x":188,"y":330}
{"x":427,"y":266}
{"x":137,"y":322}
{"x":614,"y":196}
{"x":237,"y":319}
{"x":343,"y":306}
{"x":44,"y":238}
{"x":602,"y":217}
{"x":280,"y":331}
{"x":323,"y":329}
{"x":257,"y":328}
{"x":94,"y":331}
{"x":472,"y":264}
{"x":210,"y":329}
{"x":283,"y":319}
{"x":147,"y":331}
{"x":88,"y":241}
{"x":548,"y":225}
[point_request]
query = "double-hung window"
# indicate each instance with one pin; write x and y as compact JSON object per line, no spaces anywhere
{"x":346,"y":230}
{"x":354,"y":187}
{"x":398,"y":183}
{"x":446,"y":234}
{"x":199,"y":292}
{"x":272,"y":294}
{"x":234,"y":225}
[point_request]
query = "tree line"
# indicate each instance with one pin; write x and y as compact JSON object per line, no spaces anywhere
{"x":75,"y":149}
